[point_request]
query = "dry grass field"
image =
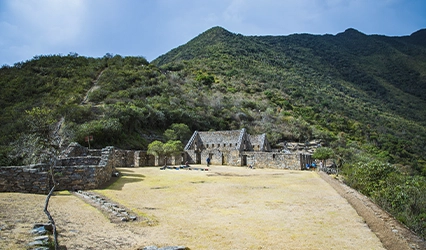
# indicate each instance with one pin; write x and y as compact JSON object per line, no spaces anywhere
{"x":224,"y":208}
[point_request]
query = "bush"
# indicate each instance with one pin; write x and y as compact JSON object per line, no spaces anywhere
{"x":105,"y":132}
{"x":369,"y":177}
{"x":402,"y":195}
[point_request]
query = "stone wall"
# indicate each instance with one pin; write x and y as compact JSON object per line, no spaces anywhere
{"x":36,"y":179}
{"x":76,"y":150}
{"x":217,"y":157}
{"x":25,"y":179}
{"x":80,"y":168}
{"x":77,"y":168}
{"x":82,"y":177}
{"x":193,"y":157}
{"x":79,"y":176}
{"x":82,"y":160}
{"x":294,"y":161}
{"x":275,"y":160}
{"x":124,"y":158}
{"x":136,"y":158}
{"x":132,"y":158}
{"x":76,"y":154}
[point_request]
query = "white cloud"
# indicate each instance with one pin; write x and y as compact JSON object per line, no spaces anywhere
{"x":234,"y":13}
{"x":49,"y":22}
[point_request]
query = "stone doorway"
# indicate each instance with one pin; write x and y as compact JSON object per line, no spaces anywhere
{"x":198,"y":158}
{"x":244,"y":160}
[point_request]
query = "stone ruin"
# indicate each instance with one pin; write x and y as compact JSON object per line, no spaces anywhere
{"x":77,"y":168}
{"x":80,"y":168}
{"x":72,"y":172}
{"x":115,"y":211}
{"x":238,"y":148}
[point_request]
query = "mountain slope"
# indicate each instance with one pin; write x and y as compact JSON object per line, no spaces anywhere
{"x":372,"y":88}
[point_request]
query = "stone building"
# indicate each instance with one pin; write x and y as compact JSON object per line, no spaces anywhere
{"x":238,"y":148}
{"x":224,"y":147}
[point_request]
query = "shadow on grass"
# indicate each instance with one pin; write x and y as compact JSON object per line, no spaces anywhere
{"x":132,"y":175}
{"x":126,"y":176}
{"x":62,"y":193}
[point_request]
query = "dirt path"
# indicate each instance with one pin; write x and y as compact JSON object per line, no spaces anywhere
{"x":225,"y":208}
{"x":93,"y":88}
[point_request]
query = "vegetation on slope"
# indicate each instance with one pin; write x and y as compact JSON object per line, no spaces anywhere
{"x":365,"y":89}
{"x":363,"y":96}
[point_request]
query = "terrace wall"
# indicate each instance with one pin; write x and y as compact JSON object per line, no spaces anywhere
{"x":78,"y":174}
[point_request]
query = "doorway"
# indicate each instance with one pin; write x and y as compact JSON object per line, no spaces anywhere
{"x":244,"y":160}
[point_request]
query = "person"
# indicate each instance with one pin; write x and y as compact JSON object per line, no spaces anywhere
{"x":208,"y":161}
{"x":307,"y":166}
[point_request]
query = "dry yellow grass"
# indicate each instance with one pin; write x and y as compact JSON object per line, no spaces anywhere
{"x":238,"y":208}
{"x":225,"y":208}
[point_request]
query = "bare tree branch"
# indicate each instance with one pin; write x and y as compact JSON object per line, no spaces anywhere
{"x":46,"y":204}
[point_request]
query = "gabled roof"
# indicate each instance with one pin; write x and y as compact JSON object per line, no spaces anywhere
{"x":218,"y":137}
{"x":260,"y":140}
{"x":230,"y":136}
{"x":256,"y":139}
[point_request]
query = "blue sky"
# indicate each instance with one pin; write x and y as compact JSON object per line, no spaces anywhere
{"x":150,"y":28}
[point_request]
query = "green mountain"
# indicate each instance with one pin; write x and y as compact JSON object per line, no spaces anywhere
{"x":369,"y":89}
{"x":364,"y":96}
{"x":350,"y":87}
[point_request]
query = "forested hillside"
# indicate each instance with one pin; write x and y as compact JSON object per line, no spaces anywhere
{"x":363,"y":95}
{"x":344,"y":88}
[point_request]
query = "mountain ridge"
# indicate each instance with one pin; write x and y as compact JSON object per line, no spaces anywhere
{"x":355,"y":42}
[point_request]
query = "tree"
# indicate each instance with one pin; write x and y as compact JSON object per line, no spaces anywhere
{"x":36,"y":145}
{"x":156,"y":148}
{"x":105,"y":131}
{"x":323,"y":153}
{"x":42,"y":145}
{"x":178,"y":131}
{"x":172,"y":148}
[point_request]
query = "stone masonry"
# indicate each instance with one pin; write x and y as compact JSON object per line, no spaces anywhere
{"x":77,"y":168}
{"x":80,"y":168}
{"x":238,"y":148}
{"x":73,"y":173}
